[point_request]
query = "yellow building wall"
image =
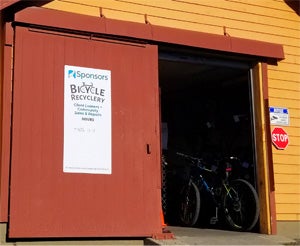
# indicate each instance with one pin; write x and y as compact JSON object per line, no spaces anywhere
{"x":265,"y":20}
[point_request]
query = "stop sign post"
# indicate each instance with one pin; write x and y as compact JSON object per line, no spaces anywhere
{"x":280,"y":138}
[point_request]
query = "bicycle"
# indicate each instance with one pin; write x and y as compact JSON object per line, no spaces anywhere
{"x":236,"y":199}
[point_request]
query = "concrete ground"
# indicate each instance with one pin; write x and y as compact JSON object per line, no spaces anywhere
{"x":289,"y":229}
{"x":200,"y":236}
{"x":287,"y":235}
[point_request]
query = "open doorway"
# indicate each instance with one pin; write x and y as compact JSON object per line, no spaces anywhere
{"x":206,"y":112}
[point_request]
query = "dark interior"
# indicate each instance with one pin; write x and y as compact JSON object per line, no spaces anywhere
{"x":207,"y":107}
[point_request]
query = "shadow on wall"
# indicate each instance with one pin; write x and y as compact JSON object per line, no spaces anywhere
{"x":18,"y":5}
{"x":294,"y":5}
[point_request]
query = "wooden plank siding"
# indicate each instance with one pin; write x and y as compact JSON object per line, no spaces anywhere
{"x":264,"y":20}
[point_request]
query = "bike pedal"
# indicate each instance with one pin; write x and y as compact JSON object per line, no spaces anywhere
{"x":213,"y":220}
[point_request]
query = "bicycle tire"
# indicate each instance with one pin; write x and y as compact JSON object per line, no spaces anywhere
{"x":189,"y":204}
{"x":241,"y":205}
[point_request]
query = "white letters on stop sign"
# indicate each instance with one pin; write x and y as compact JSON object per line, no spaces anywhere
{"x":280,"y":137}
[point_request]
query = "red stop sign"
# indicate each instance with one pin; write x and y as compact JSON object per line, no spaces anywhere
{"x":280,"y":138}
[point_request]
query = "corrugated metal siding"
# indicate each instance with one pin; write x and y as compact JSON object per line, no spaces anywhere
{"x":265,"y":20}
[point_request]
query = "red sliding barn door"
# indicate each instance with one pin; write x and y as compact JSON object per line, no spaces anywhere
{"x":45,"y":201}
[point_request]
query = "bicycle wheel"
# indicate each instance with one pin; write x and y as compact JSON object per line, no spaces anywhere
{"x":189,"y":204}
{"x":241,"y":206}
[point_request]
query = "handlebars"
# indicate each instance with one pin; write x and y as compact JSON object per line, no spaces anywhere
{"x":198,"y":162}
{"x":223,"y":165}
{"x":189,"y":157}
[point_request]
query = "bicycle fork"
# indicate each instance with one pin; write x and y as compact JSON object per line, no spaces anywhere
{"x":214,"y":219}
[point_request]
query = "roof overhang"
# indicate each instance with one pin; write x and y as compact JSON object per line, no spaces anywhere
{"x":101,"y":25}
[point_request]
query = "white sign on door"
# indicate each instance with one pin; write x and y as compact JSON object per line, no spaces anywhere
{"x":87,"y":120}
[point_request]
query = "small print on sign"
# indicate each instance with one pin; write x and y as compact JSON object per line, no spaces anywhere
{"x":87,"y":120}
{"x":279,"y":116}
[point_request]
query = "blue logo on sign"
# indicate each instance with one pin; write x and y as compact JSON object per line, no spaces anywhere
{"x":83,"y":75}
{"x":278,"y":110}
{"x":72,"y":73}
